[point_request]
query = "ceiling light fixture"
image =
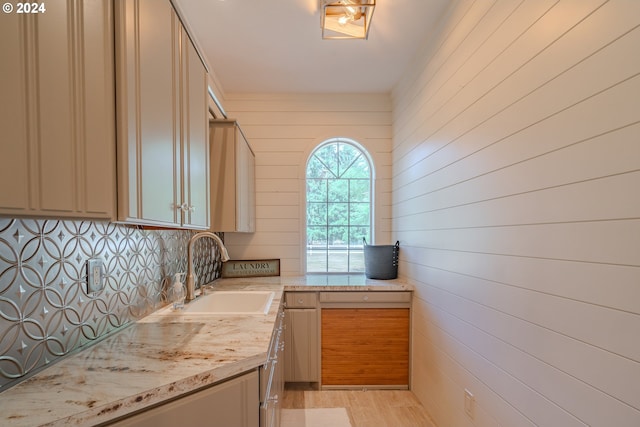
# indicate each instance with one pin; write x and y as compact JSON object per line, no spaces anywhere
{"x":346,"y":19}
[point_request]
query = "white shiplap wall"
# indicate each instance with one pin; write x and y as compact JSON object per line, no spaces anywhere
{"x":283,"y":130}
{"x":516,"y":199}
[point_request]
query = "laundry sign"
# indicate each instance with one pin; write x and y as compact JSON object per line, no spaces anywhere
{"x":251,"y":268}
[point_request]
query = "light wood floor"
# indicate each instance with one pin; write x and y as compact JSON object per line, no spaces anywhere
{"x":370,"y":408}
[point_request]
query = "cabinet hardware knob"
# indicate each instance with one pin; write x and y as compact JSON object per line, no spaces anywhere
{"x":366,"y":297}
{"x":185,"y":207}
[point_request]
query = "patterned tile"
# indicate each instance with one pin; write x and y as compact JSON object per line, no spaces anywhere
{"x":45,"y":310}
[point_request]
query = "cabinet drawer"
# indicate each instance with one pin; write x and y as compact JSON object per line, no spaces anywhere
{"x":301,"y":299}
{"x":365,"y":297}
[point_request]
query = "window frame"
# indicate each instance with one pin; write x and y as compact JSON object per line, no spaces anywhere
{"x":371,"y":201}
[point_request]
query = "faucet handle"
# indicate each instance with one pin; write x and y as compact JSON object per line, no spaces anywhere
{"x":205,"y":288}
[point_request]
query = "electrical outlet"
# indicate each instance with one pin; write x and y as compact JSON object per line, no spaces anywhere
{"x":95,"y":275}
{"x":469,"y":403}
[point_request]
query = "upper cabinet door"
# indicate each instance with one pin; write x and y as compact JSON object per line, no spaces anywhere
{"x":147,"y":58}
{"x":57,"y":112}
{"x":232,"y":178}
{"x":163,"y":168}
{"x":245,"y":185}
{"x":195,"y":139}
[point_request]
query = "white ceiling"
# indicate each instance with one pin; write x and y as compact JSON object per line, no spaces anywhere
{"x":273,"y":46}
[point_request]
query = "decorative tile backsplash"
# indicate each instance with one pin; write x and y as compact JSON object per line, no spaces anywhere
{"x":45,"y":310}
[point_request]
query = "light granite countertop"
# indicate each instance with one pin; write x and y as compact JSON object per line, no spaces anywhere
{"x":160,"y":357}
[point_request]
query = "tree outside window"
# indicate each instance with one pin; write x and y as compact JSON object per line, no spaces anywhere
{"x":338,"y":207}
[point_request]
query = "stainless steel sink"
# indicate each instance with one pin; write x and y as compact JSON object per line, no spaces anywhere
{"x":227,"y":302}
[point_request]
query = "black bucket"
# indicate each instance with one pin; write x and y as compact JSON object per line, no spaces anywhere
{"x":381,"y":261}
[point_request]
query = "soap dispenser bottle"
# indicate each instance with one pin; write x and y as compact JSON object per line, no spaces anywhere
{"x":177,"y":292}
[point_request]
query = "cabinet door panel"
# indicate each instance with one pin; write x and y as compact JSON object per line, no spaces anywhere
{"x":232,"y":178}
{"x":301,"y":345}
{"x":223,"y":177}
{"x":55,"y":152}
{"x":162,"y":119}
{"x":245,"y":186}
{"x":232,"y":403}
{"x":365,"y":346}
{"x":58,"y":111}
{"x":98,"y":159}
{"x":195,"y":137}
{"x":148,"y":66}
{"x":158,"y":63}
{"x":14,"y":148}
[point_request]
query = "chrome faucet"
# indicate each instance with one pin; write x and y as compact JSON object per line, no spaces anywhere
{"x":191,"y":286}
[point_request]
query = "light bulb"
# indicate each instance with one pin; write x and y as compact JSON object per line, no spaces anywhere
{"x":344,"y":20}
{"x":351,"y":11}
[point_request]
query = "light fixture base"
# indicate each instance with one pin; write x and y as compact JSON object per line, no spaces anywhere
{"x":346,"y":19}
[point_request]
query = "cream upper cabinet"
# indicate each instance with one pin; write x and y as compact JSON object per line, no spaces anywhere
{"x":232,"y":178}
{"x":57,"y":115}
{"x":195,"y":115}
{"x":162,"y":119}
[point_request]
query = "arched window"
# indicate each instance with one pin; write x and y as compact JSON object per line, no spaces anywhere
{"x":339,"y":204}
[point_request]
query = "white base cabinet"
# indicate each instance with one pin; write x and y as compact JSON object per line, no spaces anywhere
{"x":233,"y":403}
{"x":301,"y":337}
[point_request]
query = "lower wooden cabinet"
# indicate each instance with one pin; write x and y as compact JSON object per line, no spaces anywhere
{"x":348,"y":339}
{"x":365,"y":347}
{"x":233,"y":403}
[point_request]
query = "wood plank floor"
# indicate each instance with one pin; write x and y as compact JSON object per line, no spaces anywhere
{"x":370,"y":408}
